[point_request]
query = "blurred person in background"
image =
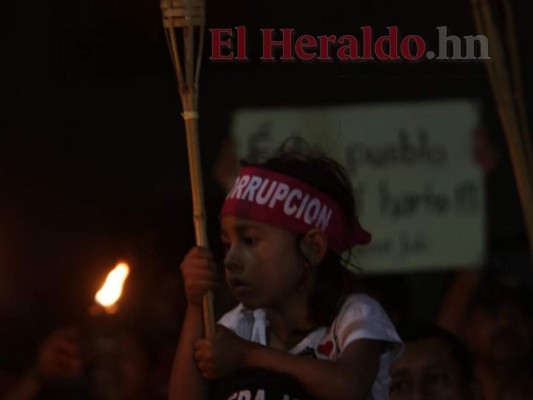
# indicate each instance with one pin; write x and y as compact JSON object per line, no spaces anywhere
{"x":58,"y":360}
{"x":434,"y":365}
{"x":137,"y":362}
{"x":499,"y":332}
{"x":63,"y":370}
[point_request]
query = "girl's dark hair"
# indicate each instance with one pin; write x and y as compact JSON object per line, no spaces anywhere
{"x":334,"y":281}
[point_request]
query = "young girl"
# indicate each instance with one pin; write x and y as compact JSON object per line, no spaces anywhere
{"x":284,"y":225}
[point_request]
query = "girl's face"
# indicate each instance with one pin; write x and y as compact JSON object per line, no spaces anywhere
{"x":263,"y":266}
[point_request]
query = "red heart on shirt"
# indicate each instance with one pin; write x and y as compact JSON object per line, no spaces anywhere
{"x":325,"y":348}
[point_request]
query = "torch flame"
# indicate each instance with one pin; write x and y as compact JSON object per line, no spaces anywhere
{"x":110,"y":292}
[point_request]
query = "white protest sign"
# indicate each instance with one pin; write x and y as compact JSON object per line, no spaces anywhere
{"x":418,"y":191}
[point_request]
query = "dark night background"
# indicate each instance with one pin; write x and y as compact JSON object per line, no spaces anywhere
{"x":93,"y":165}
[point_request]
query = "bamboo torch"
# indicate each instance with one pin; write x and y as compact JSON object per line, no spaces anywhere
{"x":184,"y":23}
{"x":509,"y":98}
{"x":102,"y":328}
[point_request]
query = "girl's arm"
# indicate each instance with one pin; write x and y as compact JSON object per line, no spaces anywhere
{"x":198,"y":270}
{"x":349,"y":378}
{"x":185,"y":379}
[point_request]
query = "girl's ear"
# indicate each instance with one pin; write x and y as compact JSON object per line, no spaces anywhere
{"x":314,"y":246}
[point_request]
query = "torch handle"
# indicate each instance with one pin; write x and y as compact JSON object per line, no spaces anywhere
{"x":188,"y":16}
{"x":199,"y":217}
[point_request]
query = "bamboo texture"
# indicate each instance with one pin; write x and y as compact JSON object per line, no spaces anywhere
{"x":181,"y":19}
{"x":508,"y":95}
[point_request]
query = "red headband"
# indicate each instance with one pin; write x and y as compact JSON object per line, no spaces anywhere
{"x":288,"y":203}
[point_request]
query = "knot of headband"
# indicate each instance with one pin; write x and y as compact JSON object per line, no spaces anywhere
{"x":288,"y":203}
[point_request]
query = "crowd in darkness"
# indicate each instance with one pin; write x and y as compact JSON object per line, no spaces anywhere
{"x":105,"y":75}
{"x":477,"y":345}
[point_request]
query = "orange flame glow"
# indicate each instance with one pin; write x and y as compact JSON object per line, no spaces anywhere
{"x":111,"y":290}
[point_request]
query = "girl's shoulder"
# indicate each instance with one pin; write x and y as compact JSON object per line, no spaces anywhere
{"x":362,"y":317}
{"x":363,"y":306}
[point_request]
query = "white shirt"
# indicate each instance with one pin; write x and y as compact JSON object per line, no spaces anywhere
{"x":360,"y":317}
